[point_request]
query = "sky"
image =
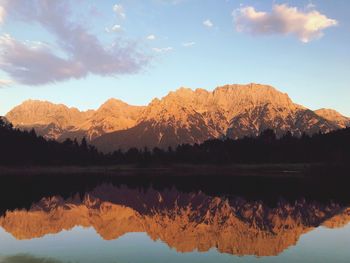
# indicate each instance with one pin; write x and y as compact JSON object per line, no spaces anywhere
{"x":83,"y":52}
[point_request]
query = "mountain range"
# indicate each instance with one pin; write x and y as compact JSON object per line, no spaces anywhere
{"x":182,"y":116}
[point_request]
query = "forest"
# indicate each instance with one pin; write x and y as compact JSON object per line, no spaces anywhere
{"x":27,"y":148}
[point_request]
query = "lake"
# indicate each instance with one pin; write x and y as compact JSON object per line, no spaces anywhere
{"x":60,"y":219}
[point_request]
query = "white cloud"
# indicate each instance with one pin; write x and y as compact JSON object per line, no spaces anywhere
{"x":116,"y":28}
{"x":77,"y":52}
{"x":151,"y":37}
{"x":283,"y":19}
{"x":208,"y":23}
{"x":188,"y":44}
{"x":2,"y":14}
{"x":162,"y":49}
{"x":119,"y":10}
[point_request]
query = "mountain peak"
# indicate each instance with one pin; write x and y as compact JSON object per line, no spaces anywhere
{"x":253,"y":91}
{"x":182,"y":116}
{"x":35,"y":105}
{"x":47,"y":118}
{"x":333,"y":115}
{"x":330,"y":112}
{"x":114,"y":101}
{"x":113,"y":115}
{"x":181,"y":92}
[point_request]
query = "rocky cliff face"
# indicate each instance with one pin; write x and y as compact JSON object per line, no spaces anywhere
{"x":183,"y":116}
{"x":48,"y":119}
{"x":233,"y":111}
{"x":56,"y":121}
{"x":334,"y":116}
{"x":113,"y":115}
{"x":185,"y":222}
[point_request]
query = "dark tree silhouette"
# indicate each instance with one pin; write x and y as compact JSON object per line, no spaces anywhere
{"x":26,"y":148}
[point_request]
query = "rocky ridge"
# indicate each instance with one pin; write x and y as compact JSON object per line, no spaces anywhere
{"x":334,"y":116}
{"x":183,"y":116}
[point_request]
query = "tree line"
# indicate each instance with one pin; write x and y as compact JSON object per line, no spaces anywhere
{"x":19,"y":147}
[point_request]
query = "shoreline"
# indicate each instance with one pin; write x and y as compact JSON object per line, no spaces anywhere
{"x":269,"y":182}
{"x":264,"y":170}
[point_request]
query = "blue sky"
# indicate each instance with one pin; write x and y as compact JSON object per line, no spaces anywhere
{"x":81,"y":53}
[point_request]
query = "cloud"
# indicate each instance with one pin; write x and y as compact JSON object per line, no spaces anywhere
{"x":162,"y":50}
{"x":208,"y":23}
{"x":5,"y":82}
{"x":116,"y":28}
{"x":283,"y":19}
{"x":76,"y":53}
{"x":119,"y":10}
{"x":188,"y":44}
{"x":151,"y":37}
{"x":2,"y":15}
{"x":33,"y":65}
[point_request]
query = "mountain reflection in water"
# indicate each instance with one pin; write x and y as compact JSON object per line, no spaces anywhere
{"x":185,"y":221}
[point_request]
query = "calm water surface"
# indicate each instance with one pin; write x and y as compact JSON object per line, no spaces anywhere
{"x":120,"y":223}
